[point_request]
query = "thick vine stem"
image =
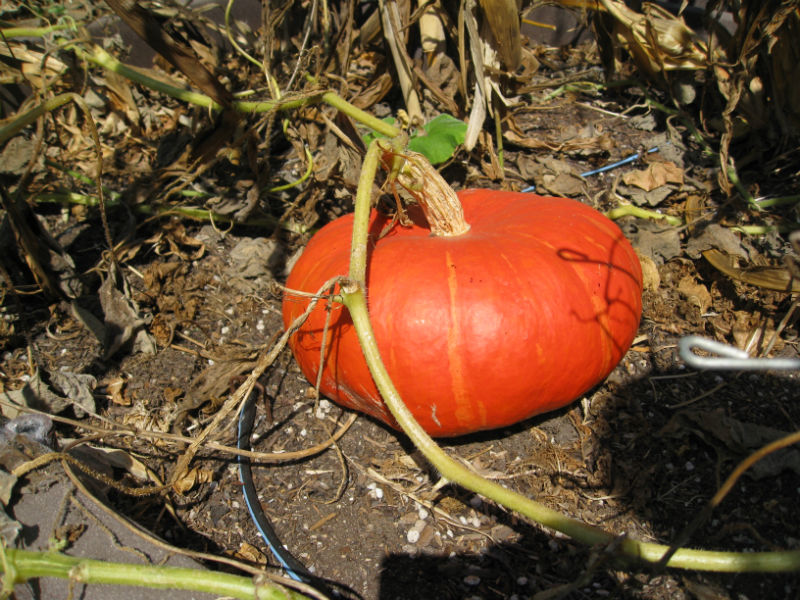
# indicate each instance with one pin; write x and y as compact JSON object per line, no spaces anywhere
{"x":23,"y":565}
{"x":354,"y":298}
{"x":440,"y":203}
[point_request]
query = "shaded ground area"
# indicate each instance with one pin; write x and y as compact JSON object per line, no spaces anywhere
{"x":639,"y":455}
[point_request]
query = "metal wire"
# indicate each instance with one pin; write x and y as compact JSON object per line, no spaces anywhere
{"x":728,"y":358}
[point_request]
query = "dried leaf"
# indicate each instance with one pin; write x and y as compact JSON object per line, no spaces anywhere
{"x":79,"y":388}
{"x":651,"y":278}
{"x":122,"y":321}
{"x":9,"y":529}
{"x":34,"y":394}
{"x":654,"y":240}
{"x":655,"y":175}
{"x":256,"y":258}
{"x":503,"y":31}
{"x":172,"y":239}
{"x":641,"y":198}
{"x":7,"y":483}
{"x":114,"y":391}
{"x":695,"y":293}
{"x":657,"y":40}
{"x":251,"y":554}
{"x":771,"y":278}
{"x":120,"y":459}
{"x":562,"y":184}
{"x":193,"y":477}
{"x":717,"y":237}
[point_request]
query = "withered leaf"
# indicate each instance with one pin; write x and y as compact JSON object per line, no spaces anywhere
{"x":655,"y":175}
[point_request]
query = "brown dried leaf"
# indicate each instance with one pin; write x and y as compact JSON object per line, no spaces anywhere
{"x":173,"y":239}
{"x":193,"y":477}
{"x":172,"y":394}
{"x":695,"y":293}
{"x":114,"y":389}
{"x":655,"y":175}
{"x":657,"y":40}
{"x":250,"y":553}
{"x":503,"y":31}
{"x":771,"y":278}
{"x":651,"y":278}
{"x":374,"y":92}
{"x":122,"y":320}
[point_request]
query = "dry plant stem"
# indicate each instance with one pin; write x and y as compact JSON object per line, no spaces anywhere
{"x":25,"y":565}
{"x":265,"y":457}
{"x":439,"y":202}
{"x":390,"y":20}
{"x":26,"y":118}
{"x":103,"y":59}
{"x":354,"y":297}
{"x":236,"y":400}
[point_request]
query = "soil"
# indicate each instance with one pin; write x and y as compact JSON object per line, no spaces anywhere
{"x":640,"y":455}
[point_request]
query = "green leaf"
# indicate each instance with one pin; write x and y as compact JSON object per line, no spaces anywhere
{"x":443,"y":136}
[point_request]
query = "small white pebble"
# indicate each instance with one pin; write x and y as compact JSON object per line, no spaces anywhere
{"x":689,"y":465}
{"x":423,"y":513}
{"x":323,"y":408}
{"x":225,"y":330}
{"x":522,"y":581}
{"x":412,"y":536}
{"x":260,"y":325}
{"x":229,"y":311}
{"x":472,"y":580}
{"x":211,"y":361}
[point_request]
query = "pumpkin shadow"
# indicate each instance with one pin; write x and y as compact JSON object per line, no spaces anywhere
{"x":613,"y":301}
{"x":640,"y":457}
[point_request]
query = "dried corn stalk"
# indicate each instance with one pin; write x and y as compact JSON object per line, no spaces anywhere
{"x":657,"y":40}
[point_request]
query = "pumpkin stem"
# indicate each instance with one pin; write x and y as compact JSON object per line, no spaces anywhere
{"x":439,"y":202}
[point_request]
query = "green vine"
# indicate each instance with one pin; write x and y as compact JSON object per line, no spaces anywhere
{"x":353,"y":295}
{"x":20,"y":566}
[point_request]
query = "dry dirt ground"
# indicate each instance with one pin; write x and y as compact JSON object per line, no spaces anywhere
{"x":639,"y":455}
